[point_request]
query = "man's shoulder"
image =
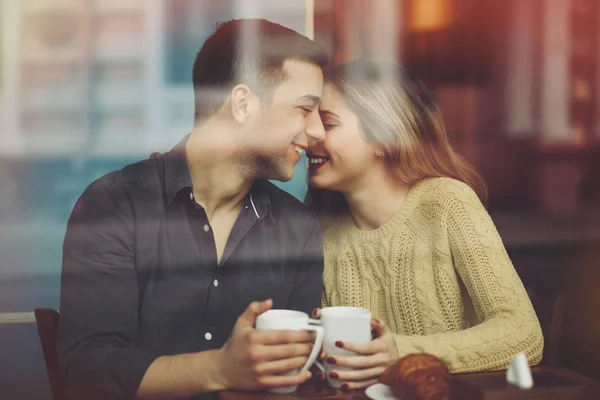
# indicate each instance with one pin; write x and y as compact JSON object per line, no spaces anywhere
{"x":139,"y":175}
{"x":144,"y":171}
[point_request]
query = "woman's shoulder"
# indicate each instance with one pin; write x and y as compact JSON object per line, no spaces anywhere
{"x":446,"y":191}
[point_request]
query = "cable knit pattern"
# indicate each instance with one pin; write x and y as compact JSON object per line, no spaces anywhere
{"x":439,"y":276}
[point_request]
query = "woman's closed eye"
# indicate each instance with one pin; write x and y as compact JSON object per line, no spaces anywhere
{"x":328,"y":126}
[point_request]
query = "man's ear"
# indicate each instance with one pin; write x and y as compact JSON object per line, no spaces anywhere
{"x":243,"y":103}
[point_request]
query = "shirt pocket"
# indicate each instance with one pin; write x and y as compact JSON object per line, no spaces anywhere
{"x":260,"y":289}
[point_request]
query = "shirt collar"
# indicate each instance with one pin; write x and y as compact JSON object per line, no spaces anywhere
{"x":177,"y":173}
{"x":259,"y":199}
{"x":178,"y":178}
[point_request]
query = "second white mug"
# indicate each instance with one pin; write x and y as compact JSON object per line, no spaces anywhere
{"x":343,"y":324}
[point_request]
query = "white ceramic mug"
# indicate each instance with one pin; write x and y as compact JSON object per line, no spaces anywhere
{"x":294,"y":321}
{"x":343,"y":324}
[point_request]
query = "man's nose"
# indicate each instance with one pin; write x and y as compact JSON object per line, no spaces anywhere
{"x":315,"y":130}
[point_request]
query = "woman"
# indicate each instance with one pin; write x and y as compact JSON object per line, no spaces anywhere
{"x":406,"y":234}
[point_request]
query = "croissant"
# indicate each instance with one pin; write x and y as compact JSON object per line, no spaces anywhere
{"x":418,"y":377}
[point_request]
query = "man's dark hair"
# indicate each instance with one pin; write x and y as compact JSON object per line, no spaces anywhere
{"x":248,"y":51}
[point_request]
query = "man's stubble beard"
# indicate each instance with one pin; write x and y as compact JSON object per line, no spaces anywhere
{"x":263,"y":165}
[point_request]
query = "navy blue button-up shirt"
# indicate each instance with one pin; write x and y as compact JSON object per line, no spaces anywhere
{"x":140,"y":275}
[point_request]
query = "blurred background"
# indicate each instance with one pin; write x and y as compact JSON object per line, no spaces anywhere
{"x":88,"y":86}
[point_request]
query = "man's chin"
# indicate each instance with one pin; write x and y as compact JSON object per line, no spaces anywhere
{"x":278,"y":174}
{"x":285,"y":172}
{"x":274,"y":169}
{"x":283,"y":177}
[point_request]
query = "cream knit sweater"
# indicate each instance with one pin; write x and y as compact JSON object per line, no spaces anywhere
{"x":438,"y":275}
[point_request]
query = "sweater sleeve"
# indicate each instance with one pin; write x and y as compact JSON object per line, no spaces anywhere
{"x":508,"y":323}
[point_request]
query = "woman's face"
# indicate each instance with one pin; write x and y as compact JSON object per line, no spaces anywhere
{"x":342,"y":161}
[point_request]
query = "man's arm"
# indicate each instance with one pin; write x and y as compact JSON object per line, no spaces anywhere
{"x":99,"y":298}
{"x":182,"y":375}
{"x":250,"y":360}
{"x":309,"y":274}
{"x":99,"y":312}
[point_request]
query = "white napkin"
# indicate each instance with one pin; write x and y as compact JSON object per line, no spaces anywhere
{"x":518,"y":372}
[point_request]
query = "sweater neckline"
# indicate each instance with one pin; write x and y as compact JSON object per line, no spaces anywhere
{"x":390,"y":226}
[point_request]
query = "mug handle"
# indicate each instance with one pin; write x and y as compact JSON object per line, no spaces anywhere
{"x":315,"y":361}
{"x":312,"y":358}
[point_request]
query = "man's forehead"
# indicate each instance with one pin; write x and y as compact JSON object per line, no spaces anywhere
{"x":300,"y":66}
{"x":304,"y":82}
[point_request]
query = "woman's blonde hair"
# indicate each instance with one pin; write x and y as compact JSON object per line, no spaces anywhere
{"x":399,"y":117}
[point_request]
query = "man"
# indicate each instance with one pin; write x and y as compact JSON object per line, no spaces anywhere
{"x":161,"y":258}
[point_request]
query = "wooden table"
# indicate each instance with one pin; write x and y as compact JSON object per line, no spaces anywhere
{"x":315,"y":389}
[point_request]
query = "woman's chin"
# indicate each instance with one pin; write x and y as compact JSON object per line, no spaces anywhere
{"x":319,"y":182}
{"x":316,"y":183}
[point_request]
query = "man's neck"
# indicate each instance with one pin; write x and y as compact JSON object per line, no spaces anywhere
{"x":219,"y":183}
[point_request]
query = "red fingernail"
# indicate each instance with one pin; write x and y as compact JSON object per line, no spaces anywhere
{"x":339,"y":344}
{"x":345,"y":386}
{"x":330,"y":360}
{"x":333,"y":375}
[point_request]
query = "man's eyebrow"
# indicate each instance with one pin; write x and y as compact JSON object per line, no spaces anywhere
{"x":310,"y":98}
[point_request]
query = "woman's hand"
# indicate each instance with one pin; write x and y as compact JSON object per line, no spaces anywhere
{"x":316,"y":313}
{"x":371,"y":360}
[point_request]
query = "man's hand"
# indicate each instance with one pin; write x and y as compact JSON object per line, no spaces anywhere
{"x":256,"y":359}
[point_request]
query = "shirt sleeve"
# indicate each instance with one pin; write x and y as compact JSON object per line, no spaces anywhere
{"x":99,"y":299}
{"x":507,"y":321}
{"x":308,"y":284}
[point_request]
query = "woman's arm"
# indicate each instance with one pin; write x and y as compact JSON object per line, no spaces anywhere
{"x":509,"y":323}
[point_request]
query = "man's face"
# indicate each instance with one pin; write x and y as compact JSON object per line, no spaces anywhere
{"x":286,"y":126}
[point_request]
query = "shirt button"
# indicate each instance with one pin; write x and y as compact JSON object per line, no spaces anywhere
{"x":207,"y":336}
{"x":206,"y":228}
{"x":191,"y":196}
{"x":216,"y":283}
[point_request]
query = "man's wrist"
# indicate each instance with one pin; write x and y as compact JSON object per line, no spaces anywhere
{"x":213,"y":363}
